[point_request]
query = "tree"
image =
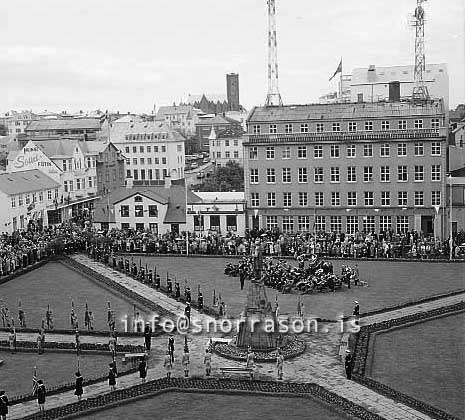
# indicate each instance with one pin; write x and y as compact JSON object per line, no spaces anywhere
{"x":225,"y":178}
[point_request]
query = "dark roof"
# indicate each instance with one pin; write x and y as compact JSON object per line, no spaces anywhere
{"x":64,"y":124}
{"x":343,"y":110}
{"x":26,"y":181}
{"x":458,"y":173}
{"x":217,"y":120}
{"x":231,"y":132}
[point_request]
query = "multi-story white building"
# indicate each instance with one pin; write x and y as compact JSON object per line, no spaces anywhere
{"x":71,"y":163}
{"x":179,"y":117}
{"x":226,"y":146}
{"x":25,"y":198}
{"x":372,"y":84}
{"x":16,"y":122}
{"x":152,"y":149}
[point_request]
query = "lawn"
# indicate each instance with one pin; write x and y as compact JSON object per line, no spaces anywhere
{"x":390,"y":283}
{"x":185,"y":406}
{"x":58,"y":286}
{"x":53,"y":368}
{"x":425,"y":361}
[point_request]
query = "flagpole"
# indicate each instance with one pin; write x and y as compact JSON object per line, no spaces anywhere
{"x":340,"y":83}
{"x":187,"y":230}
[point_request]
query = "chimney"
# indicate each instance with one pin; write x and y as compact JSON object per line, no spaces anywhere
{"x":129,"y":183}
{"x":394,"y":91}
{"x":167,"y":182}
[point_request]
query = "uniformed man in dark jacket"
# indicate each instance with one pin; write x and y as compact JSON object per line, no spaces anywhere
{"x":348,"y":364}
{"x":200,"y":301}
{"x":148,"y":336}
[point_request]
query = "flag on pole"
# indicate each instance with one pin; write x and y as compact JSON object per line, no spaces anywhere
{"x":338,"y":70}
{"x":35,"y":384}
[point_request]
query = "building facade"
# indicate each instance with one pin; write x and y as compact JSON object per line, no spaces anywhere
{"x":226,"y":146}
{"x":17,"y":122}
{"x":221,"y":212}
{"x":152,"y":149}
{"x":69,"y":128}
{"x":25,"y":198}
{"x":371,"y":84}
{"x":219,"y":123}
{"x":181,"y":117}
{"x":83,"y":170}
{"x":346,"y":167}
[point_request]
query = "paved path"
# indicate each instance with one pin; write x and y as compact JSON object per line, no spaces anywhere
{"x":320,"y":363}
{"x":410,"y":310}
{"x":171,"y":305}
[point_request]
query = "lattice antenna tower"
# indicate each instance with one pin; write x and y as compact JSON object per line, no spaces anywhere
{"x":420,"y":91}
{"x":273,"y":98}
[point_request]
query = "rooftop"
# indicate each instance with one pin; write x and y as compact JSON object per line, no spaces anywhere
{"x":222,"y":197}
{"x":343,"y":111}
{"x":64,"y":124}
{"x":217,"y":120}
{"x":24,"y":182}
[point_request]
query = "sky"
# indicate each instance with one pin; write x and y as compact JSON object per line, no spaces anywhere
{"x":133,"y":55}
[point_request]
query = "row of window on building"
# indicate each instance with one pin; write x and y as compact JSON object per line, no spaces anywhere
{"x":227,"y":155}
{"x":80,"y":184}
{"x":149,"y":174}
{"x":385,"y":199}
{"x":146,"y":161}
{"x":68,"y":165}
{"x":139,"y":211}
{"x":227,"y":142}
{"x":351,"y":151}
{"x":146,"y":136}
{"x":352,"y":224}
{"x":35,"y":197}
{"x":149,"y":149}
{"x":351,"y":126}
{"x":351,"y":174}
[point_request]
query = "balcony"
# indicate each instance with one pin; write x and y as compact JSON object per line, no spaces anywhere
{"x":344,"y":136}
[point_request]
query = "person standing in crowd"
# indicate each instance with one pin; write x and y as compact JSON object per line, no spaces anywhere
{"x":77,"y":338}
{"x":41,"y":394}
{"x":187,"y":311}
{"x":171,"y":347}
{"x":21,"y":317}
{"x":348,"y":364}
{"x":78,"y":387}
{"x":200,"y":302}
{"x":148,"y":336}
{"x":12,"y":340}
{"x":112,"y":345}
{"x":242,"y":278}
{"x":185,"y":362}
{"x":4,"y":403}
{"x":250,"y":358}
{"x":207,"y":361}
{"x":112,"y":377}
{"x":143,"y":370}
{"x":168,"y":364}
{"x":280,"y":364}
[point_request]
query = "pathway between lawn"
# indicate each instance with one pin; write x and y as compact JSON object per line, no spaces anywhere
{"x":319,"y":364}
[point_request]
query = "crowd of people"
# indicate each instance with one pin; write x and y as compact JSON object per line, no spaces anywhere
{"x":23,"y":248}
{"x":359,"y":245}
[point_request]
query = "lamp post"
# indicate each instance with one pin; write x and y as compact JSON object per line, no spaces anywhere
{"x":451,"y":240}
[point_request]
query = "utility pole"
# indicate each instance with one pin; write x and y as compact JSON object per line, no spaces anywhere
{"x":273,"y":98}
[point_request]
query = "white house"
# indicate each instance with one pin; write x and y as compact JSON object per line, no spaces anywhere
{"x":153,"y":150}
{"x":26,"y":197}
{"x":219,"y":211}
